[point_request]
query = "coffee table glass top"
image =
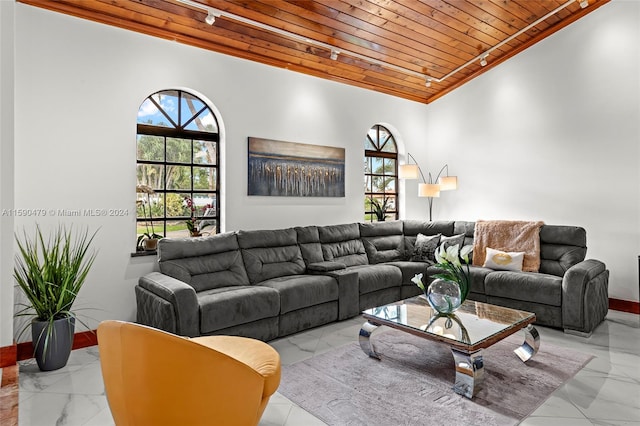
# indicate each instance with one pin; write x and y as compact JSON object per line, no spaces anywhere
{"x":475,"y":325}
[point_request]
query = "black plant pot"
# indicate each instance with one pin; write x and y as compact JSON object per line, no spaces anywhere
{"x":53,"y":352}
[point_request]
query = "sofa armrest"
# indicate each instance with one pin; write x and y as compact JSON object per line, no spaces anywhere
{"x":585,"y":296}
{"x":326,"y":266}
{"x":178,"y":294}
{"x":348,"y":292}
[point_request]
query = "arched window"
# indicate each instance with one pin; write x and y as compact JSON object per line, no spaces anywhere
{"x":178,"y":173}
{"x":380,"y":175}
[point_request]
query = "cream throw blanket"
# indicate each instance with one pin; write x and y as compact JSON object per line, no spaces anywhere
{"x":508,"y":235}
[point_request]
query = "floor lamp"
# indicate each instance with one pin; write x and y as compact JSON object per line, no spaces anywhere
{"x":429,"y":188}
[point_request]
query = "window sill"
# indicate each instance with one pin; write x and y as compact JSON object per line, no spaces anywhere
{"x":143,"y":253}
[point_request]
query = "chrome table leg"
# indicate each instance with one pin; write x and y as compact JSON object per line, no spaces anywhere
{"x":531,"y":344}
{"x":469,"y":372}
{"x":364,"y":338}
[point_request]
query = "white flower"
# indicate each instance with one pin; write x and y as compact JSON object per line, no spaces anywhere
{"x":441,"y":254}
{"x":452,"y":255}
{"x":417,"y":279}
{"x":464,"y":253}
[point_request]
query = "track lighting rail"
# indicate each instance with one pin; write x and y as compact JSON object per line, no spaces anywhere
{"x":334,"y":51}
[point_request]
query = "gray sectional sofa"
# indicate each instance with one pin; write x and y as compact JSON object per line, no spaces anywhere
{"x":270,"y":283}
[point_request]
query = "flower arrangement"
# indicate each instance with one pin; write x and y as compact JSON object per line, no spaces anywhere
{"x":145,"y":189}
{"x":455,"y":265}
{"x":193,"y":225}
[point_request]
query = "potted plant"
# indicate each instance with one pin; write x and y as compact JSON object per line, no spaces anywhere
{"x":50,"y":272}
{"x":380,"y":209}
{"x":148,"y":240}
{"x":195,"y":226}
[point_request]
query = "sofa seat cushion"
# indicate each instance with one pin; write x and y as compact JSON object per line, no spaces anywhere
{"x":377,"y":277}
{"x":410,"y":269}
{"x":532,"y":287}
{"x":301,"y":291}
{"x":229,"y":306}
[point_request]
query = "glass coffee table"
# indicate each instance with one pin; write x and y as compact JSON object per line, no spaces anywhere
{"x":473,"y":327}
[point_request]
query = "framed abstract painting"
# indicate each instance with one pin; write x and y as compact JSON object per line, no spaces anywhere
{"x":289,"y":169}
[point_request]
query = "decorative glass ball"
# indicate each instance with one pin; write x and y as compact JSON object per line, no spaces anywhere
{"x":444,"y":296}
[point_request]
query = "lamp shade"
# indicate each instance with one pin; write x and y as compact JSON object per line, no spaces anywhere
{"x":448,"y":183}
{"x":408,"y":171}
{"x":428,"y":190}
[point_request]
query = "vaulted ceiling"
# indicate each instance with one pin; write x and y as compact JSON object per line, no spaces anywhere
{"x":390,"y":46}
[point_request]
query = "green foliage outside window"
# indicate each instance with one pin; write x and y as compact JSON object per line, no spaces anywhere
{"x":380,"y":175}
{"x":177,"y":156}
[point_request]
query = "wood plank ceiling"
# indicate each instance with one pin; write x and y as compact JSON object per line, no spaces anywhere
{"x":390,"y":46}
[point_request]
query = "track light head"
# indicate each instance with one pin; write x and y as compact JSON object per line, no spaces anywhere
{"x":428,"y":82}
{"x":211,"y":18}
{"x":483,"y":60}
{"x":584,"y":3}
{"x":334,"y":54}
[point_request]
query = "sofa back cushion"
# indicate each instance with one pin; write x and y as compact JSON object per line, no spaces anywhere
{"x":411,"y":229}
{"x":204,"y":263}
{"x":309,"y":242}
{"x":270,"y":254}
{"x":466,"y":228}
{"x":383,"y":241}
{"x":342,"y":243}
{"x":561,"y":247}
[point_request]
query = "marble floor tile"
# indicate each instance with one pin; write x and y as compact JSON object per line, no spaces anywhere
{"x":276,"y":413}
{"x":44,"y":409}
{"x":299,"y":417}
{"x":555,"y":421}
{"x":558,"y":407}
{"x":605,"y":392}
{"x":103,"y":418}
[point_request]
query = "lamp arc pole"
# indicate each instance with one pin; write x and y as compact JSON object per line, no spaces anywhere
{"x":431,"y":181}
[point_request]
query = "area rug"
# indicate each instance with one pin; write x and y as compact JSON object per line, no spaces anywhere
{"x":412,"y":383}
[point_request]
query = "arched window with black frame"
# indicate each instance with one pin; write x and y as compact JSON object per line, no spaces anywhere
{"x":178,"y":175}
{"x":380,"y":175}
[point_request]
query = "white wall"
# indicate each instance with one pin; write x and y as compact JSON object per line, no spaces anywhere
{"x":6,"y":170}
{"x":79,"y":86}
{"x":524,"y":138}
{"x":553,"y":134}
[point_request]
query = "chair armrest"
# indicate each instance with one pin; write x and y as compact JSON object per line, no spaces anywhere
{"x":585,"y":296}
{"x":180,"y":295}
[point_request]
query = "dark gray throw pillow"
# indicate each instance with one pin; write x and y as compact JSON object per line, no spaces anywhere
{"x":425,"y":248}
{"x":452,"y":241}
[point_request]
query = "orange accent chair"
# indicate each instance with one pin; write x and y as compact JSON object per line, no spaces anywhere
{"x":152,"y":377}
